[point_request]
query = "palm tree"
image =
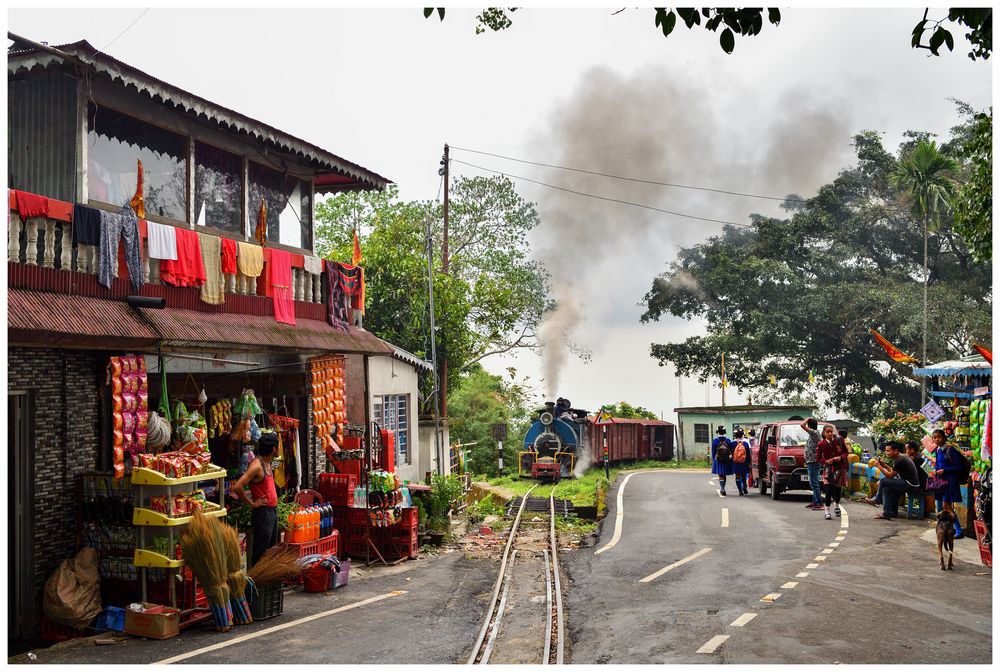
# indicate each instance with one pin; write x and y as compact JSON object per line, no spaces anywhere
{"x":924,"y":174}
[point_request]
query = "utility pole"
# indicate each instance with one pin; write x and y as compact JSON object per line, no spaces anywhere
{"x":444,"y":269}
{"x":430,"y":295}
{"x":724,"y":382}
{"x":923,"y":360}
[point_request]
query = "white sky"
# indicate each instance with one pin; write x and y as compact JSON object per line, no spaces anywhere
{"x":386,"y":88}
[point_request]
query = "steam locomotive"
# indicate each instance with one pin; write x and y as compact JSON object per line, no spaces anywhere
{"x":563,"y":439}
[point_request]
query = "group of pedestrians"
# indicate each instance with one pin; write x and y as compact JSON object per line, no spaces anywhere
{"x":731,"y":458}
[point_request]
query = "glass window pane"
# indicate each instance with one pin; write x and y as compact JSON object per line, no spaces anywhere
{"x":115,"y":141}
{"x":218,"y":189}
{"x":289,"y":209}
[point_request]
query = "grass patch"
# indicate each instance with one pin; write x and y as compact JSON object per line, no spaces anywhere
{"x":575,"y":525}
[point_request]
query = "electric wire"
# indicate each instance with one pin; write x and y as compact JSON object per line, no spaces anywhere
{"x":606,"y":198}
{"x":125,"y":30}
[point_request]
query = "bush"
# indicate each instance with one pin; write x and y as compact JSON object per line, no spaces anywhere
{"x":445,"y":490}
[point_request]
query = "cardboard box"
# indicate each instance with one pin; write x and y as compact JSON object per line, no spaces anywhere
{"x":158,"y":622}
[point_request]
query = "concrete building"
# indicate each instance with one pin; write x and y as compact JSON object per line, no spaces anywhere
{"x":696,"y":425}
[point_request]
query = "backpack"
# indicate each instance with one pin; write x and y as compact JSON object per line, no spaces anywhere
{"x":740,"y":453}
{"x":963,"y":475}
{"x":722,"y":452}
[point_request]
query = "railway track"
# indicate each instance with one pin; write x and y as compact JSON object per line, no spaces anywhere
{"x":524,"y":622}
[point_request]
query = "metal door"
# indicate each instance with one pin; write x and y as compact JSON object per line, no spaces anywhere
{"x":20,"y":503}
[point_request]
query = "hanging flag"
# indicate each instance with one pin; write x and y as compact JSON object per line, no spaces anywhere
{"x":260,"y":233}
{"x":138,"y":205}
{"x":987,"y":355}
{"x":894,"y":353}
{"x":774,"y":381}
{"x":812,"y":377}
{"x":356,"y":259}
{"x":725,"y":383}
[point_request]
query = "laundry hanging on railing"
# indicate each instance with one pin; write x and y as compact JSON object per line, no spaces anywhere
{"x":31,"y":205}
{"x":189,"y":269}
{"x":86,"y":225}
{"x":123,"y":226}
{"x":229,"y":256}
{"x":212,"y":291}
{"x":161,"y":241}
{"x":312,"y":265}
{"x":250,"y":259}
{"x":279,"y":285}
{"x":352,"y":281}
{"x":336,"y":302}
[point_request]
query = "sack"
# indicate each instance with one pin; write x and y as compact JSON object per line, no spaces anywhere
{"x":722,"y":453}
{"x":740,"y":453}
{"x":935,"y":484}
{"x":73,"y":592}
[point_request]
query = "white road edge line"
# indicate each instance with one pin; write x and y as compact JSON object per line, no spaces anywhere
{"x":620,"y":514}
{"x":666,"y":569}
{"x":725,"y":517}
{"x":843,"y":518}
{"x":711,"y":645}
{"x":283,"y":626}
{"x":790,"y":584}
{"x":743,"y":620}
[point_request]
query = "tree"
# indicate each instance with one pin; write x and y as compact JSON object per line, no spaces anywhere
{"x":480,"y":400}
{"x":493,"y":296}
{"x":623,"y":409}
{"x":785,"y":296}
{"x":978,"y":20}
{"x":974,"y":201}
{"x":925,"y":175}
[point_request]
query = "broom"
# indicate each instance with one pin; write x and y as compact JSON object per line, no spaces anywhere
{"x":235,"y":577}
{"x":277,"y":564}
{"x":205,"y":557}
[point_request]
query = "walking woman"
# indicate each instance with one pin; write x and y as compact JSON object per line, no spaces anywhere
{"x":949,"y":466}
{"x":741,"y":460}
{"x":832,"y":456}
{"x":722,"y":458}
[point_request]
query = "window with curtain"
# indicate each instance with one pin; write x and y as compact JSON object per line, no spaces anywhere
{"x":114,"y":142}
{"x":218,"y":189}
{"x":390,"y":412}
{"x":289,"y":206}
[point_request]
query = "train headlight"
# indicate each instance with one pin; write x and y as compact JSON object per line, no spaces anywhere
{"x":546,"y":418}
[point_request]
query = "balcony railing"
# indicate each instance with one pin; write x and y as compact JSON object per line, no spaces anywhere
{"x":47,"y":242}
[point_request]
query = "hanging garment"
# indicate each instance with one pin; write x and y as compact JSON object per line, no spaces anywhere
{"x":312,"y":265}
{"x":86,"y":225}
{"x":279,"y":285}
{"x":336,"y":302}
{"x":137,"y":202}
{"x":250,"y":259}
{"x":161,"y":241}
{"x":260,"y":232}
{"x":212,"y":291}
{"x":114,"y":228}
{"x":31,"y":205}
{"x":229,"y":256}
{"x":189,"y":269}
{"x":352,"y":280}
{"x":288,"y":431}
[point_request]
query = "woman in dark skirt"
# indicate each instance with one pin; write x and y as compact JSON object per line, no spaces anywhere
{"x":722,"y":467}
{"x":948,"y":465}
{"x":832,"y":456}
{"x":741,"y":469}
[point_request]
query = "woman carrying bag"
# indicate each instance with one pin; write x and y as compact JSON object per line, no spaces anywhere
{"x":831,"y":453}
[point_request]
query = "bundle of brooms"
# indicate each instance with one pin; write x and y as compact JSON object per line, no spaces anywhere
{"x":277,"y":564}
{"x":204,"y":545}
{"x":235,"y":578}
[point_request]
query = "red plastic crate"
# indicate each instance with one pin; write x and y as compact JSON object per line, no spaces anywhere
{"x":359,"y":532}
{"x":410,"y":516}
{"x":357,"y":516}
{"x":986,"y":556}
{"x":51,"y":631}
{"x":980,"y":530}
{"x":328,"y":544}
{"x":396,"y":549}
{"x":359,"y":549}
{"x":338,"y":489}
{"x":339,"y":515}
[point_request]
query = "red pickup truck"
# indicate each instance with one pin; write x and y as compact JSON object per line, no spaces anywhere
{"x":778,"y":462}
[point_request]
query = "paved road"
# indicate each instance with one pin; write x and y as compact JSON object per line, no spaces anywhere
{"x":877,"y":596}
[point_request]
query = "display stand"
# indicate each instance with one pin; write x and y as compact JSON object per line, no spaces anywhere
{"x":143,"y":481}
{"x":368,"y":464}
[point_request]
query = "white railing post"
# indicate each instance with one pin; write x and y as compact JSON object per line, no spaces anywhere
{"x":13,"y":238}
{"x":66,"y":254}
{"x":317,"y":288}
{"x":31,"y":254}
{"x":49,"y":252}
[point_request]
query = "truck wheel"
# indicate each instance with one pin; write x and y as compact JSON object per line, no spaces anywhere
{"x":762,"y":486}
{"x":775,"y":492}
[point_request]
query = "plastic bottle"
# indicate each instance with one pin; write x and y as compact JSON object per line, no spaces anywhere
{"x":313,"y":524}
{"x":300,"y":526}
{"x":327,"y":520}
{"x":290,"y":532}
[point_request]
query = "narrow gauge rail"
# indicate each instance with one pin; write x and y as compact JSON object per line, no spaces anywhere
{"x":554,"y":641}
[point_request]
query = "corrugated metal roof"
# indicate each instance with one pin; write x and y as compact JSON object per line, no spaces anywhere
{"x":232,"y":331}
{"x":27,"y":59}
{"x":744,"y":408}
{"x":410,"y":358}
{"x":45,"y":318}
{"x":642,"y":421}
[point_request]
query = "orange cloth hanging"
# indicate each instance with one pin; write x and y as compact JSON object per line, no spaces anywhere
{"x":987,"y":355}
{"x":356,"y":258}
{"x":894,"y":353}
{"x":137,"y":203}
{"x":260,"y":233}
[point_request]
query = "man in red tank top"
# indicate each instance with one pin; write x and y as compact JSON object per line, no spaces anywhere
{"x":263,"y":497}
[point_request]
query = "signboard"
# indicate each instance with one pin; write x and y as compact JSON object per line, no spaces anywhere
{"x":932,"y":411}
{"x":603,"y":418}
{"x":980,"y":391}
{"x":499,"y":431}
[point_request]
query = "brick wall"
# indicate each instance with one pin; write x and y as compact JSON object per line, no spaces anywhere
{"x":64,"y":385}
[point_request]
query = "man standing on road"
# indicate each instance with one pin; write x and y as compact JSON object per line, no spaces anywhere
{"x":811,"y":428}
{"x":722,"y":458}
{"x":901,"y":478}
{"x":263,"y":497}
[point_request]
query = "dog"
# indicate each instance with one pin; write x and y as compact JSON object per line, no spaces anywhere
{"x":945,"y":536}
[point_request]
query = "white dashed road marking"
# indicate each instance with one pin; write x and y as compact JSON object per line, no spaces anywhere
{"x":812,"y":565}
{"x":819,"y":558}
{"x":666,"y":569}
{"x":725,"y":517}
{"x":834,"y":544}
{"x":801,"y":575}
{"x":711,"y":645}
{"x":827,"y":551}
{"x":770,"y":597}
{"x":790,"y":584}
{"x":743,"y":620}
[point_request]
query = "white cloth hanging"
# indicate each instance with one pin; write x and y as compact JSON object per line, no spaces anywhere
{"x":162,"y":241}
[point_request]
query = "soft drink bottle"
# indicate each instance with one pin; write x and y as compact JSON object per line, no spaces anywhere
{"x":290,"y":532}
{"x":313,"y":524}
{"x":322,"y":520}
{"x":300,"y":526}
{"x":328,"y":510}
{"x":317,"y":523}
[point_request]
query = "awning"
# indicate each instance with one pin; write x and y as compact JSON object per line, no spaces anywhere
{"x":233,"y":331}
{"x":49,"y":319}
{"x":954,"y":367}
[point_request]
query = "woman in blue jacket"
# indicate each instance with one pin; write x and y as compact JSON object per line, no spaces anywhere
{"x":948,"y":465}
{"x":722,"y":467}
{"x":741,"y":469}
